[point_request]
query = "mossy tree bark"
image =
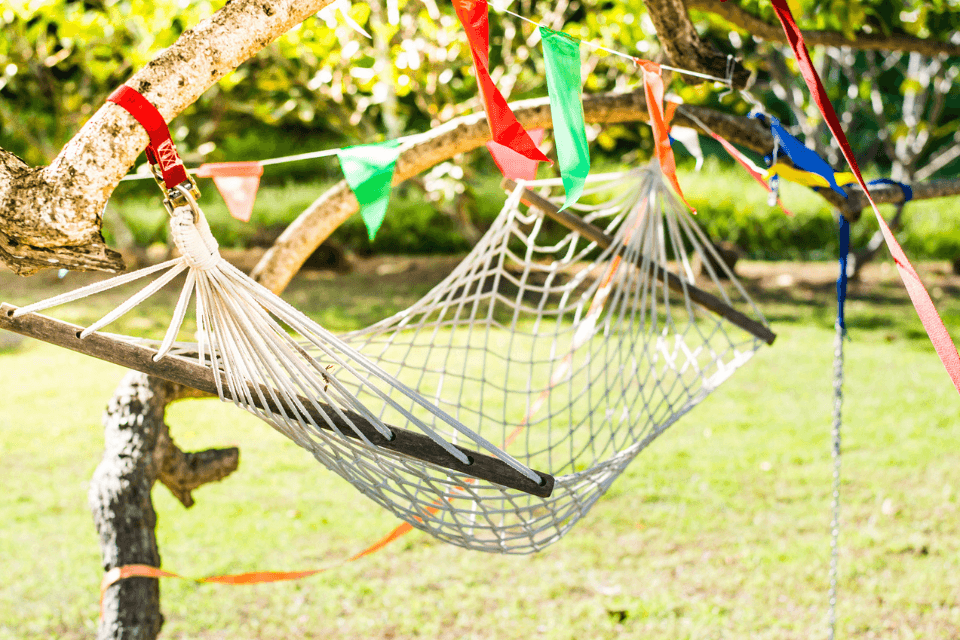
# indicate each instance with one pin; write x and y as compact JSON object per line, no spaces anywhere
{"x":139,"y":451}
{"x":51,"y":216}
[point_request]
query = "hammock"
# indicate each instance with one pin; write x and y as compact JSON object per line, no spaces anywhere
{"x":569,"y":341}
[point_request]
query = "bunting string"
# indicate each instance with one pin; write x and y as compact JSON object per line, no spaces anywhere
{"x":627,"y":56}
{"x":312,"y":155}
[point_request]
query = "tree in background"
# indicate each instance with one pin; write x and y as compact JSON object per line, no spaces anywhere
{"x":890,"y":71}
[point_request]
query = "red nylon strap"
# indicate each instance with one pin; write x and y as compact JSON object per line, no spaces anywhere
{"x":751,"y":168}
{"x":161,"y":150}
{"x":931,"y":320}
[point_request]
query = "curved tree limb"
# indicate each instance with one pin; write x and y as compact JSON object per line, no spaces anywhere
{"x":51,"y":216}
{"x":466,"y":133}
{"x":683,"y":44}
{"x":463,"y":134}
{"x":746,"y":21}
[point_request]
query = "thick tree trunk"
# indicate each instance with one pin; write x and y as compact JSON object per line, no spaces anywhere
{"x":138,"y":452}
{"x":123,"y":508}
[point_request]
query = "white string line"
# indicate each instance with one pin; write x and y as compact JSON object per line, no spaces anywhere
{"x":594,"y":45}
{"x":331,"y":152}
{"x":284,"y":159}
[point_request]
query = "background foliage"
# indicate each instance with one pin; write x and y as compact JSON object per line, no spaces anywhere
{"x":323,"y":85}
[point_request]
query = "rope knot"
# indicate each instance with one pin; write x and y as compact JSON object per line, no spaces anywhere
{"x":193,"y":238}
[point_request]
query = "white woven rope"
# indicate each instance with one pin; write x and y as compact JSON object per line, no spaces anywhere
{"x":540,"y":348}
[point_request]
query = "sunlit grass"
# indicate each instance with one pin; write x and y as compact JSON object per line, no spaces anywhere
{"x":719,"y":529}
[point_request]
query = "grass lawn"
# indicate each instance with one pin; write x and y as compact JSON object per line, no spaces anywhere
{"x":719,"y":529}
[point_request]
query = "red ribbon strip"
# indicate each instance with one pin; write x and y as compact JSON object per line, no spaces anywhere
{"x":513,"y":165}
{"x":653,"y":90}
{"x":751,"y":168}
{"x":931,"y":320}
{"x":161,"y":150}
{"x":503,"y":124}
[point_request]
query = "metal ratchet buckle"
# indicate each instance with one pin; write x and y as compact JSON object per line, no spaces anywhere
{"x":184,"y":194}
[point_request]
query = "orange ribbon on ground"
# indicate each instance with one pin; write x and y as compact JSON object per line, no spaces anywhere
{"x":117,"y":574}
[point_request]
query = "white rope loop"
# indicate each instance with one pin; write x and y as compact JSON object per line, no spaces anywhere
{"x":192,"y":236}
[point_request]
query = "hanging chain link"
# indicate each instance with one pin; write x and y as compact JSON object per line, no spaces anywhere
{"x":835,"y":525}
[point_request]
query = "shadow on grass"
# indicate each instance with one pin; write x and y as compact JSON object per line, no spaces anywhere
{"x":377,"y":287}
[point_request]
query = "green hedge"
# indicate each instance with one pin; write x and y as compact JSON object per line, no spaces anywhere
{"x":731,"y":207}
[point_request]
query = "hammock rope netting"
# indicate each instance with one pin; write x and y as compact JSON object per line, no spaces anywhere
{"x":543,"y":348}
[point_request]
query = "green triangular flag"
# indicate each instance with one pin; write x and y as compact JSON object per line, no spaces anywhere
{"x":562,"y":56}
{"x":368,"y":169}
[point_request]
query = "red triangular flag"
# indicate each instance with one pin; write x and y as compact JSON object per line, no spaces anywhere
{"x":237,"y":182}
{"x":504,"y":127}
{"x":513,"y":165}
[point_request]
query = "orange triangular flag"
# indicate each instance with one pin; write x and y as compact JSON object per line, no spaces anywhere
{"x":653,"y":90}
{"x":513,"y":165}
{"x":237,"y":182}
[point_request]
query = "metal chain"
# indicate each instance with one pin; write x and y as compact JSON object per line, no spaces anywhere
{"x":835,"y":525}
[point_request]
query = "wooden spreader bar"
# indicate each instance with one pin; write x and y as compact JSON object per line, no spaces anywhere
{"x":595,"y":234}
{"x":182,"y":371}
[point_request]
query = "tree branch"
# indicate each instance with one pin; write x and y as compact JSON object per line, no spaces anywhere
{"x":683,"y":45}
{"x":892,"y":194}
{"x":183,"y":472}
{"x":463,"y":134}
{"x":466,"y":133}
{"x":51,"y":216}
{"x":746,"y":21}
